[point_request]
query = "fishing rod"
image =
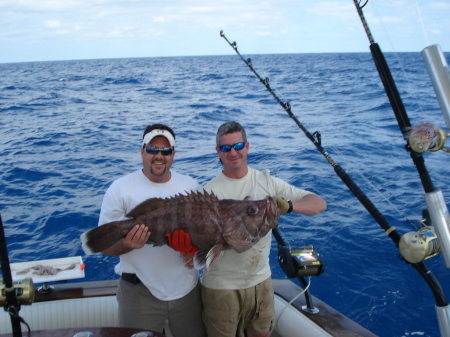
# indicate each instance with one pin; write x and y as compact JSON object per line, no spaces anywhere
{"x":395,"y":100}
{"x":315,"y":138}
{"x":12,"y":304}
{"x":434,"y":198}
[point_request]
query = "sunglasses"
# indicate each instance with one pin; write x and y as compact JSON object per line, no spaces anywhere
{"x":165,"y":151}
{"x":227,"y":148}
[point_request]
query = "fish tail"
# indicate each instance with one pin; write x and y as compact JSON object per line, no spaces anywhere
{"x":100,"y":238}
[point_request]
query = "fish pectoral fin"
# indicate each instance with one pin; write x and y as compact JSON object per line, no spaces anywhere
{"x":213,"y":254}
{"x":200,"y":259}
{"x":204,"y":258}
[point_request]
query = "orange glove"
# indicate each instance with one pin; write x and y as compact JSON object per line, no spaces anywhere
{"x":180,"y":241}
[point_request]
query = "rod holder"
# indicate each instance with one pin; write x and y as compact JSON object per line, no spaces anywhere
{"x":443,"y":315}
{"x":439,"y":73}
{"x":440,"y":220}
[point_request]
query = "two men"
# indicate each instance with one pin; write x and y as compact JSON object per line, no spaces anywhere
{"x":237,"y":291}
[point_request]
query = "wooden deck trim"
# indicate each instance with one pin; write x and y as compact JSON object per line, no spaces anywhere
{"x":78,"y":290}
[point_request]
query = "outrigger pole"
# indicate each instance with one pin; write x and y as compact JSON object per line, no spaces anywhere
{"x":315,"y":138}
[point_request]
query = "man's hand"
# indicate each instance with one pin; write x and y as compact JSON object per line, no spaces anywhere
{"x":283,"y":204}
{"x":136,"y":237}
{"x":180,"y":241}
{"x":187,"y":260}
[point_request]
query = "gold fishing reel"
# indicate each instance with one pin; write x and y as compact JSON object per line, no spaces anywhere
{"x":440,"y":141}
{"x":428,"y":137}
{"x":24,"y":290}
{"x":418,"y":246}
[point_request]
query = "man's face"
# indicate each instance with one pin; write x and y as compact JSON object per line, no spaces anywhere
{"x":156,"y":166}
{"x":234,"y":160}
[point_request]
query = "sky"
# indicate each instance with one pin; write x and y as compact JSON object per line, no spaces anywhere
{"x":48,"y":30}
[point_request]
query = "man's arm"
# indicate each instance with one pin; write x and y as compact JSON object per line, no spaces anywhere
{"x":135,"y":239}
{"x":310,"y":204}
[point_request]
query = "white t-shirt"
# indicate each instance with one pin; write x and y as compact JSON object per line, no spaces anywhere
{"x":243,"y":270}
{"x":160,"y":269}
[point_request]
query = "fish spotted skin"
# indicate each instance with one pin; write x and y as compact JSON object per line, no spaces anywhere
{"x":213,"y":225}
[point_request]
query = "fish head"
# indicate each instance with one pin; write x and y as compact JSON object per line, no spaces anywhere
{"x":248,"y":221}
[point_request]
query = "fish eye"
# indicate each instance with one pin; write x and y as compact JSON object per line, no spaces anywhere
{"x":252,"y":210}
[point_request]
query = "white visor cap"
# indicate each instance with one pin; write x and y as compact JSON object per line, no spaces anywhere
{"x":158,"y":132}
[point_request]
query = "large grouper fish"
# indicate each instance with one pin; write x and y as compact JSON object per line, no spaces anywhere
{"x":213,"y":225}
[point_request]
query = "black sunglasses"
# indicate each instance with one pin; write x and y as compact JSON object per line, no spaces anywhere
{"x":227,"y":148}
{"x":165,"y":151}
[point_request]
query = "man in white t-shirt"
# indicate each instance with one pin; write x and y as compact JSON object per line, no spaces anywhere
{"x":156,"y":284}
{"x":237,"y":290}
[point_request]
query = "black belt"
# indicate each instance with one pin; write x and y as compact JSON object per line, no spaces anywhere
{"x":132,"y":278}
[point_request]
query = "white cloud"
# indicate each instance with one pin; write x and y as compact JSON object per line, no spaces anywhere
{"x":191,"y":27}
{"x":440,"y":5}
{"x":52,"y":23}
{"x":340,"y":10}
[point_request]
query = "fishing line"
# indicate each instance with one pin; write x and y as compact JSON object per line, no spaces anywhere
{"x":423,"y":24}
{"x":411,"y":88}
{"x":284,"y":238}
{"x":12,"y":311}
{"x":361,"y":174}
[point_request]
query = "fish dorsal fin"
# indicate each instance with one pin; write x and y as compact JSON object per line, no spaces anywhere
{"x":154,"y":204}
{"x":146,"y":206}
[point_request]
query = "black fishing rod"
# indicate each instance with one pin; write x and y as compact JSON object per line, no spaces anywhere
{"x":404,"y":124}
{"x":395,"y":100}
{"x":12,"y":305}
{"x":315,"y":138}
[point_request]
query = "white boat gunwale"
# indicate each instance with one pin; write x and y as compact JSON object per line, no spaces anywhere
{"x":328,"y":319}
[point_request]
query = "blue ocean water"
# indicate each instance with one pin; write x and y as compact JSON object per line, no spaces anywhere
{"x":69,"y":128}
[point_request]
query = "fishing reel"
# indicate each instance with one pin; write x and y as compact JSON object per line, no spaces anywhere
{"x":300,"y":261}
{"x":429,"y":240}
{"x":418,"y":246}
{"x":24,"y":291}
{"x":427,"y":137}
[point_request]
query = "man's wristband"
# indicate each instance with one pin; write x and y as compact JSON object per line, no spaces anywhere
{"x":291,"y":207}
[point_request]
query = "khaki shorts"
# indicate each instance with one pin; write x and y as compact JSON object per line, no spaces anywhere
{"x":227,"y":313}
{"x":138,"y":308}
